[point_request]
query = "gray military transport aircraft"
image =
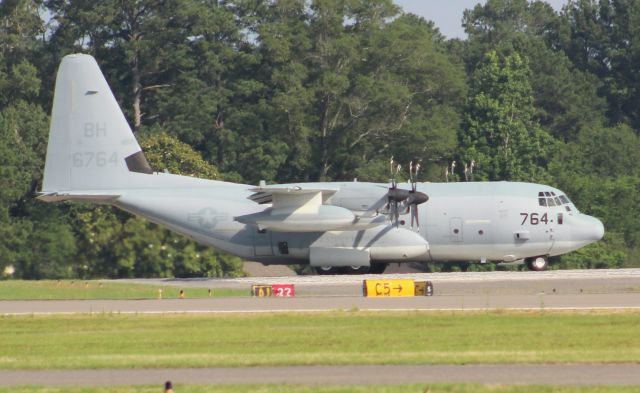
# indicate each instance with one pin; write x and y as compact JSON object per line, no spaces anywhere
{"x":338,"y":227}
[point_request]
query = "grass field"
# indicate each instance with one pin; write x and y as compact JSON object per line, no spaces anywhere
{"x":414,"y":388}
{"x":142,"y":341}
{"x":68,"y":289}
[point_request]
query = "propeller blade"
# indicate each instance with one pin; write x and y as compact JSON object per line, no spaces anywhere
{"x":414,"y":215}
{"x":396,"y":213}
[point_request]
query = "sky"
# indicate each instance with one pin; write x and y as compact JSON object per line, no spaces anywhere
{"x":447,"y":14}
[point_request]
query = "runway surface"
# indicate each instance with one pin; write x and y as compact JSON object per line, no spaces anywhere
{"x":319,"y":304}
{"x":469,"y":283}
{"x":555,"y":290}
{"x":561,"y":374}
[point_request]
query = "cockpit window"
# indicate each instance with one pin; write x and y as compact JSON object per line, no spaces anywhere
{"x":550,"y":198}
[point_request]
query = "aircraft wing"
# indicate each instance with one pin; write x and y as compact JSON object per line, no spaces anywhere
{"x":286,"y":194}
{"x":299,"y":209}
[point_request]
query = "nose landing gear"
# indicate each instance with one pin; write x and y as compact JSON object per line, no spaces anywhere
{"x":537,"y":264}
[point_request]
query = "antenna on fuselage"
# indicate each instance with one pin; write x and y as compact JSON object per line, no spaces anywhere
{"x":468,"y":170}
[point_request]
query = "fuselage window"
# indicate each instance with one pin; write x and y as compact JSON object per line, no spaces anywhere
{"x":558,"y":203}
{"x":568,"y":208}
{"x":541,"y":194}
{"x":553,"y":193}
{"x":560,"y":219}
{"x":550,"y":202}
{"x":542,"y":202}
{"x":564,"y":199}
{"x":547,"y":193}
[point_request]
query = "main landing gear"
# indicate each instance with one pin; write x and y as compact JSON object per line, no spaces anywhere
{"x":537,"y":264}
{"x":375,"y":268}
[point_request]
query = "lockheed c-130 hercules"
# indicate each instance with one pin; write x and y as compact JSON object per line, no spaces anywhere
{"x":336,"y":227}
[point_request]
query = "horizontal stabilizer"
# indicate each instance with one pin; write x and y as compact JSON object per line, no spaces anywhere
{"x":77,"y":196}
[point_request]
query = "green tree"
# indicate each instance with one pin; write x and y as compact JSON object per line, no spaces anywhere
{"x":499,"y":131}
{"x":566,"y":99}
{"x":602,"y":37}
{"x":20,"y":26}
{"x":351,"y":87}
{"x":36,"y":240}
{"x":601,"y":172}
{"x":144,"y":46}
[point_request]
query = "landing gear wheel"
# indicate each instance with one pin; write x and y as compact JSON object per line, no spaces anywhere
{"x":537,"y":264}
{"x":355,"y":270}
{"x":326,"y":270}
{"x":377,"y":268}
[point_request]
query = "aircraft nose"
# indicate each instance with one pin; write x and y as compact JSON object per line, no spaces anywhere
{"x":598,"y":229}
{"x":594,"y":229}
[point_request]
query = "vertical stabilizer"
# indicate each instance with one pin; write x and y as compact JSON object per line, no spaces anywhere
{"x":91,"y":146}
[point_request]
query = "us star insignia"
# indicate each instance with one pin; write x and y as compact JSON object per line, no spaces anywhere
{"x":206,"y":218}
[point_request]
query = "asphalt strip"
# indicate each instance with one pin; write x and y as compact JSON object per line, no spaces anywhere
{"x":546,"y":374}
{"x":570,"y":302}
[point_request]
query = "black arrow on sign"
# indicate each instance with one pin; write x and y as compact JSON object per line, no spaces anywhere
{"x":398,"y":288}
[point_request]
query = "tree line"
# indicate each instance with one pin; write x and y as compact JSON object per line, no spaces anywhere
{"x":320,"y":90}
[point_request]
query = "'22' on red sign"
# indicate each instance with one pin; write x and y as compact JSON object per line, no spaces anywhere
{"x":283,"y":290}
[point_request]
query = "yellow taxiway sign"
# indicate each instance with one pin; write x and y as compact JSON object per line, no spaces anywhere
{"x":389,"y":288}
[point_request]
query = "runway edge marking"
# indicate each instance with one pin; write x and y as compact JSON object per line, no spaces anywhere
{"x":52,"y":313}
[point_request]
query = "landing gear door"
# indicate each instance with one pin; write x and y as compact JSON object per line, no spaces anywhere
{"x":262,"y":242}
{"x":455,"y":230}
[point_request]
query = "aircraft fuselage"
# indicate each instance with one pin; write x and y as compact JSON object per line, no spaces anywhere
{"x":476,"y":221}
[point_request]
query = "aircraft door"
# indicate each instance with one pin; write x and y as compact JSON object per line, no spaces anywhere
{"x":262,"y":242}
{"x":455,"y":229}
{"x":557,"y":229}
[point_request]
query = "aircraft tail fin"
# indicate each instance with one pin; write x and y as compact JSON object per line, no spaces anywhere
{"x":91,"y":146}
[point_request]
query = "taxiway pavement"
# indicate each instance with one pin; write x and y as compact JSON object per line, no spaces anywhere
{"x":547,"y":374}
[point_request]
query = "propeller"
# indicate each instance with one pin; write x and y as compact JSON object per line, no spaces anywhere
{"x":415,"y":197}
{"x":409,"y":198}
{"x":394,"y":195}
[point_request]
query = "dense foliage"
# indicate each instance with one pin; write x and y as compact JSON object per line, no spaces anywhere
{"x":314,"y":90}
